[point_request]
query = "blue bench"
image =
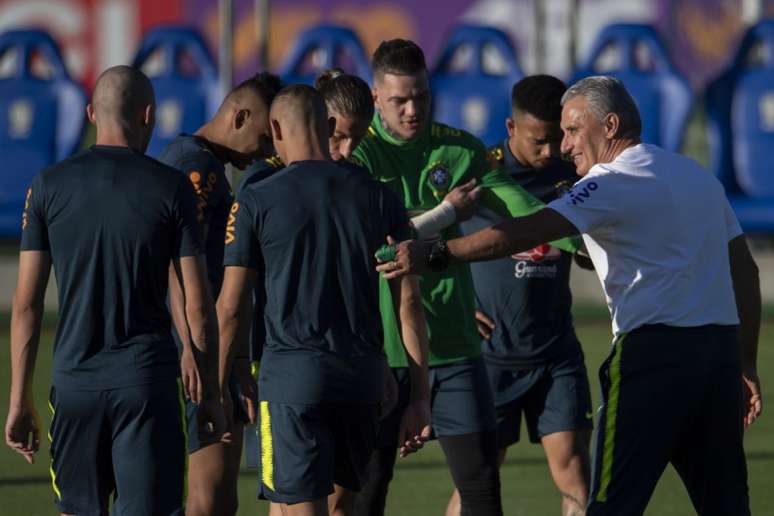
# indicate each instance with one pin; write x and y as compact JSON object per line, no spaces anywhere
{"x":42,"y":115}
{"x":185,"y":81}
{"x":472,"y":81}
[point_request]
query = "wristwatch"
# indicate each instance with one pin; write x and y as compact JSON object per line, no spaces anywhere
{"x":438,"y":257}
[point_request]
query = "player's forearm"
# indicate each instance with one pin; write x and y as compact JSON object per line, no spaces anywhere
{"x":234,"y":332}
{"x":203,"y":325}
{"x":414,"y":336}
{"x":177,"y":309}
{"x":748,"y":303}
{"x":25,"y":337}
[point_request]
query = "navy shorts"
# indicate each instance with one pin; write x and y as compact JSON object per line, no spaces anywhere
{"x":128,"y":441}
{"x":461,"y":401}
{"x":306,"y":449}
{"x":191,"y":415}
{"x":553,"y":398}
{"x":671,"y":395}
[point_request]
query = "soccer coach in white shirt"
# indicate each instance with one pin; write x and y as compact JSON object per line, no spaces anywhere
{"x":680,"y":384}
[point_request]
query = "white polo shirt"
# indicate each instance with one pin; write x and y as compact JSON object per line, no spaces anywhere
{"x":657,"y":227}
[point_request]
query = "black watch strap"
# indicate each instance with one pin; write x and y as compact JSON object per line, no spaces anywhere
{"x":438,"y":258}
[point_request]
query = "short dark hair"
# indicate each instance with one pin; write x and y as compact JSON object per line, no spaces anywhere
{"x":264,"y":84}
{"x":399,"y":57}
{"x":539,"y":96}
{"x":345,"y":94}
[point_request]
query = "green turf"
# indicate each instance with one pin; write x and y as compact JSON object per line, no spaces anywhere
{"x":422,"y":484}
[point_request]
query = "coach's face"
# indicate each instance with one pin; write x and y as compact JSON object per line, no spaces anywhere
{"x":585,"y":137}
{"x":403,"y":101}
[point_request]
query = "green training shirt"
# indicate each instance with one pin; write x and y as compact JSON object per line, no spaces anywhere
{"x":422,"y":171}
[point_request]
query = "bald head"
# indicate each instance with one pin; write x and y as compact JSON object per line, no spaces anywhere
{"x":299,"y":120}
{"x":122,"y":106}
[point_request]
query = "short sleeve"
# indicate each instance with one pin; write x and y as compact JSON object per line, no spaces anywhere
{"x":732,"y":223}
{"x":500,"y":193}
{"x":34,"y":227}
{"x":188,"y":235}
{"x":209,"y":182}
{"x":242,"y":245}
{"x":591,"y":203}
{"x":398,"y":227}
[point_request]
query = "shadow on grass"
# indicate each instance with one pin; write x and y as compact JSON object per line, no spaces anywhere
{"x":751,"y":456}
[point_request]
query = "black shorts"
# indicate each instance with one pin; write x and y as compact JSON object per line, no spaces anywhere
{"x":671,"y":395}
{"x":461,"y":401}
{"x":194,"y":444}
{"x":306,"y":449}
{"x":129,"y":441}
{"x":554,"y":398}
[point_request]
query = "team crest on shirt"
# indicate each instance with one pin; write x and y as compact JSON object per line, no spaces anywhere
{"x":562,"y":187}
{"x":439,"y":177}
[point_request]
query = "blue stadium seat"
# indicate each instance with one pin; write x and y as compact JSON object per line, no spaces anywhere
{"x":740,"y":112}
{"x":472,"y":81}
{"x":185,"y":81}
{"x":322,"y":47}
{"x":42,"y":113}
{"x":636,"y":55}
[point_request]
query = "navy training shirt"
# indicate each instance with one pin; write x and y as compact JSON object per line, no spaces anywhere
{"x":112,"y":219}
{"x":258,"y":171}
{"x":193,"y":156}
{"x":313,"y":228}
{"x":527,"y":294}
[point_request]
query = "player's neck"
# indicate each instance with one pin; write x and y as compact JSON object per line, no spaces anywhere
{"x":117,"y":138}
{"x":307,"y":151}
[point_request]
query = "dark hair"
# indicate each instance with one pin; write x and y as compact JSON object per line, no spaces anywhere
{"x":539,"y":96}
{"x":264,"y":84}
{"x":345,"y":94}
{"x":399,"y":57}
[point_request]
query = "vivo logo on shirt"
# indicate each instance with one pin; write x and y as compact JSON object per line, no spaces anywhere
{"x":579,"y":195}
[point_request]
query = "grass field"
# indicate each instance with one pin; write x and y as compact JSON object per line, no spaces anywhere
{"x":422,"y":483}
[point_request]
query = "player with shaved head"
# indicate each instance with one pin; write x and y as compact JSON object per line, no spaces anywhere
{"x":237,"y":134}
{"x":312,"y":230}
{"x":111,"y":220}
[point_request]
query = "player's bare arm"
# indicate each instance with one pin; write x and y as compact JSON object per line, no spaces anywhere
{"x":744,"y":275}
{"x":234,"y":315}
{"x":508,"y":237}
{"x":22,"y":429}
{"x":203,"y":326}
{"x":415,"y":421}
{"x":189,"y":371}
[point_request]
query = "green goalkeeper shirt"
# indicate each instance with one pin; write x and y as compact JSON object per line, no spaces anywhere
{"x":422,"y":171}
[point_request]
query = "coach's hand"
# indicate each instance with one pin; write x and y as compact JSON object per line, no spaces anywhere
{"x":22,"y":430}
{"x":192,"y":382}
{"x":464,"y":198}
{"x":752,"y":396}
{"x":414,"y":430}
{"x":410,"y":258}
{"x":248,"y":388}
{"x":211,"y":420}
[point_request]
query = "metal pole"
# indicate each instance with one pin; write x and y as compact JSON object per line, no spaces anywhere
{"x":539,"y":39}
{"x":262,"y":12}
{"x":226,"y":56}
{"x":226,"y":49}
{"x":572,"y":45}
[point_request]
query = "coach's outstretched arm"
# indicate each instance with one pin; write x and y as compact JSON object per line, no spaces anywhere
{"x":234,"y":306}
{"x":203,"y":327}
{"x":503,"y":239}
{"x":744,"y":274}
{"x":22,"y":428}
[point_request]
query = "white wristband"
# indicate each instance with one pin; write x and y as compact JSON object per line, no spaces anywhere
{"x":430,"y":223}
